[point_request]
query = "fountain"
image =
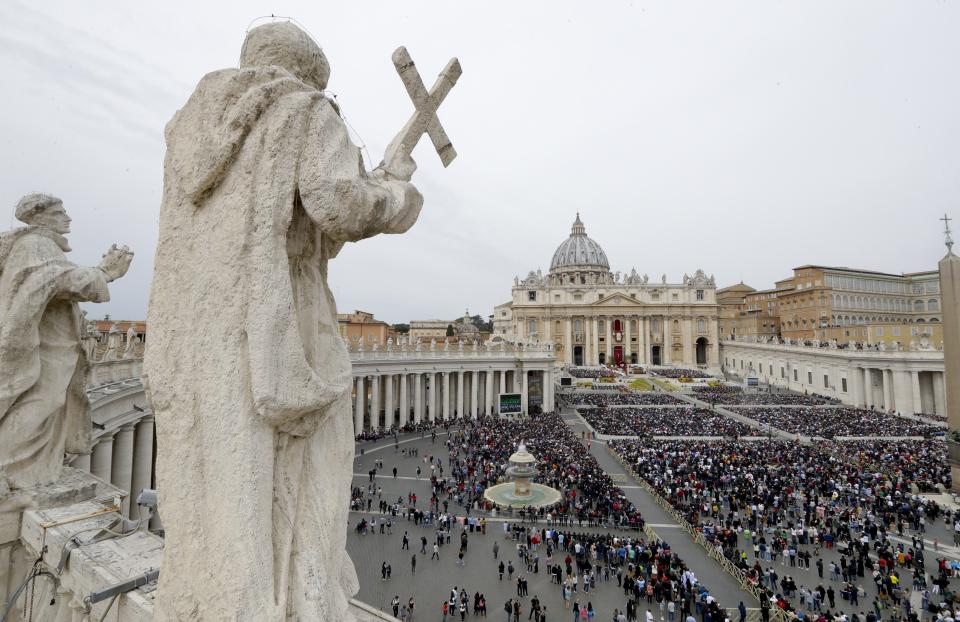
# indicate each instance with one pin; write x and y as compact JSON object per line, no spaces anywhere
{"x":522,"y":493}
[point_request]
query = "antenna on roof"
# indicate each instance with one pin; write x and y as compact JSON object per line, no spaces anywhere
{"x":946,"y":232}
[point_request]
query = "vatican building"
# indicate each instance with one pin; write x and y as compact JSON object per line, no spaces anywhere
{"x":593,"y":316}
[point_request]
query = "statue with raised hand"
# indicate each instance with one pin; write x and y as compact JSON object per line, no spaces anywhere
{"x":44,"y":410}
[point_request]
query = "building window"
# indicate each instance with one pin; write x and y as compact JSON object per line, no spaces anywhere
{"x":794,"y":375}
{"x":578,"y":297}
{"x":770,"y":370}
{"x":556,"y":297}
{"x":676,"y":297}
{"x":879,"y":331}
{"x":918,"y":305}
{"x":601,"y":325}
{"x":532,"y":327}
{"x":843,"y":385}
{"x":699,"y":294}
{"x":826,"y":381}
{"x":532,"y":296}
{"x":655,"y":296}
{"x":783,"y":372}
{"x":810,"y":378}
{"x":933,"y":305}
{"x":701,"y":326}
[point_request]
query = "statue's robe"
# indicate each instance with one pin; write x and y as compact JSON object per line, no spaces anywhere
{"x":246,"y":372}
{"x":43,"y":404}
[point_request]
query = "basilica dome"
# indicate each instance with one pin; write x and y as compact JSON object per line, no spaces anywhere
{"x":579,"y":252}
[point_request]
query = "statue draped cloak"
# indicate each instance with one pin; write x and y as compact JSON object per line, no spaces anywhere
{"x":246,"y":372}
{"x":43,"y":403}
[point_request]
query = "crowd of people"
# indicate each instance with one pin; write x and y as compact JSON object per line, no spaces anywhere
{"x":767,"y":501}
{"x":838,"y":421}
{"x":730,"y":395}
{"x":478,"y":456}
{"x":678,"y":372}
{"x":594,"y":372}
{"x":687,"y":421}
{"x":619,"y":398}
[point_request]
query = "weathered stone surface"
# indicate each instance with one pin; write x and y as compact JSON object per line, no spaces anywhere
{"x":43,"y":405}
{"x":248,"y":378}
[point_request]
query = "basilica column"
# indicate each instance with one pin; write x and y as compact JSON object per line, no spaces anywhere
{"x":460,"y":413}
{"x":417,"y":398}
{"x":608,"y":339}
{"x":686,"y":334}
{"x":474,"y":386}
{"x":595,"y":337}
{"x":548,"y":390}
{"x":121,"y":471}
{"x":404,"y":400}
{"x":446,"y":396}
{"x":358,"y":407}
{"x":503,"y":380}
{"x":388,"y":394}
{"x":627,"y":336}
{"x":867,"y":388}
{"x":524,"y":394}
{"x":666,"y":356}
{"x":642,"y":332}
{"x":101,"y":462}
{"x":142,"y":461}
{"x":374,"y":403}
{"x":568,"y":341}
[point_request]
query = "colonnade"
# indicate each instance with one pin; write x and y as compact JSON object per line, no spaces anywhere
{"x":907,"y":382}
{"x":124,"y":456}
{"x":384,"y":400}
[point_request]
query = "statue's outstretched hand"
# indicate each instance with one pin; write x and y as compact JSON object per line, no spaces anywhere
{"x":116,"y":262}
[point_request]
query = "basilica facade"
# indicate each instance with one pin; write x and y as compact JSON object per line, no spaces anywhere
{"x":595,"y":316}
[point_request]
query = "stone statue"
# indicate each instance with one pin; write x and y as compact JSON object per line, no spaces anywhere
{"x":130,"y":351}
{"x":43,"y":403}
{"x":663,"y":279}
{"x":262,"y":187}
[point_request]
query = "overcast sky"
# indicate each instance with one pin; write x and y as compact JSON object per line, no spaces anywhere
{"x":744,"y":138}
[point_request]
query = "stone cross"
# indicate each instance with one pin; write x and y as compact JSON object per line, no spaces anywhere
{"x":946,"y":232}
{"x":424,"y":119}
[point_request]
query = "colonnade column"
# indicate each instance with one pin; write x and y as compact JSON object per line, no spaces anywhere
{"x":474,"y":386}
{"x":82,"y":463}
{"x":915,"y":390}
{"x":446,"y":396}
{"x":121,"y":471}
{"x":939,"y":394}
{"x":358,"y":407}
{"x":524,"y":395}
{"x":417,"y":398}
{"x":388,"y":401}
{"x":547,"y":390}
{"x":404,"y":402}
{"x":488,"y":392}
{"x":375,"y":403}
{"x":142,"y":461}
{"x":460,"y":395}
{"x":886,"y":377}
{"x":434,"y":397}
{"x":101,"y":462}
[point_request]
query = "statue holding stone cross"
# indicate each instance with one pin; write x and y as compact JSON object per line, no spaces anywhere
{"x":249,"y":380}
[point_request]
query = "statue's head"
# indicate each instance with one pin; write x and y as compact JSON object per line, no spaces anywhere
{"x":285,"y":45}
{"x":43,"y":210}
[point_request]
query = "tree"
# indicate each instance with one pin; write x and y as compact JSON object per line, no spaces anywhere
{"x":450,"y":331}
{"x":402,"y":329}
